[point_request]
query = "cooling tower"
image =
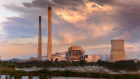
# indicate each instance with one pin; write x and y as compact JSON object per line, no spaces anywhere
{"x":117,"y":51}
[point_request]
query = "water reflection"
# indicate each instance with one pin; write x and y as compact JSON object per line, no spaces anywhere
{"x":37,"y":77}
{"x":71,"y":78}
{"x":25,"y":77}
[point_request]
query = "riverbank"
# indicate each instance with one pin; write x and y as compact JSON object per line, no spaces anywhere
{"x":117,"y":66}
{"x":97,"y":69}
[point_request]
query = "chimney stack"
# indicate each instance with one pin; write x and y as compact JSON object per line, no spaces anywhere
{"x":49,"y":51}
{"x":39,"y":41}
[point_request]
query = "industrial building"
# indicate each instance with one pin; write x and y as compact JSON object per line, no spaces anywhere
{"x":59,"y":58}
{"x":75,"y":53}
{"x":117,"y":51}
{"x":92,"y":58}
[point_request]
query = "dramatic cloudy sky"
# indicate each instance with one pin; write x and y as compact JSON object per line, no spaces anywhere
{"x":88,"y":23}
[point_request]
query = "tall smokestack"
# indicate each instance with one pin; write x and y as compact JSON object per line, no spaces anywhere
{"x":49,"y":51}
{"x":39,"y":41}
{"x":117,"y":51}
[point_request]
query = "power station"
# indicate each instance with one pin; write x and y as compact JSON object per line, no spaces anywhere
{"x":76,"y":53}
{"x":117,"y":51}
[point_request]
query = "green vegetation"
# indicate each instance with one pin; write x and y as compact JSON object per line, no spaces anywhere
{"x":67,"y":73}
{"x":43,"y":64}
{"x":129,"y":66}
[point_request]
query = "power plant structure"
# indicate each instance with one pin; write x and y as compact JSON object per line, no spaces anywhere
{"x":92,"y":58}
{"x":39,"y":41}
{"x":49,"y":51}
{"x":75,"y":53}
{"x":117,"y":51}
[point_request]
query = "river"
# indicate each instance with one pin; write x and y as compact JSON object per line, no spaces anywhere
{"x":37,"y":77}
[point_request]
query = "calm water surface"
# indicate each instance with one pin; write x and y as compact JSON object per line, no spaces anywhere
{"x":37,"y":77}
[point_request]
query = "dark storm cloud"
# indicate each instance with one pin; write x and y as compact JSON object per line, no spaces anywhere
{"x":54,"y":3}
{"x":102,"y":2}
{"x":38,"y":3}
{"x":129,"y":16}
{"x":64,"y":3}
{"x":68,"y":2}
